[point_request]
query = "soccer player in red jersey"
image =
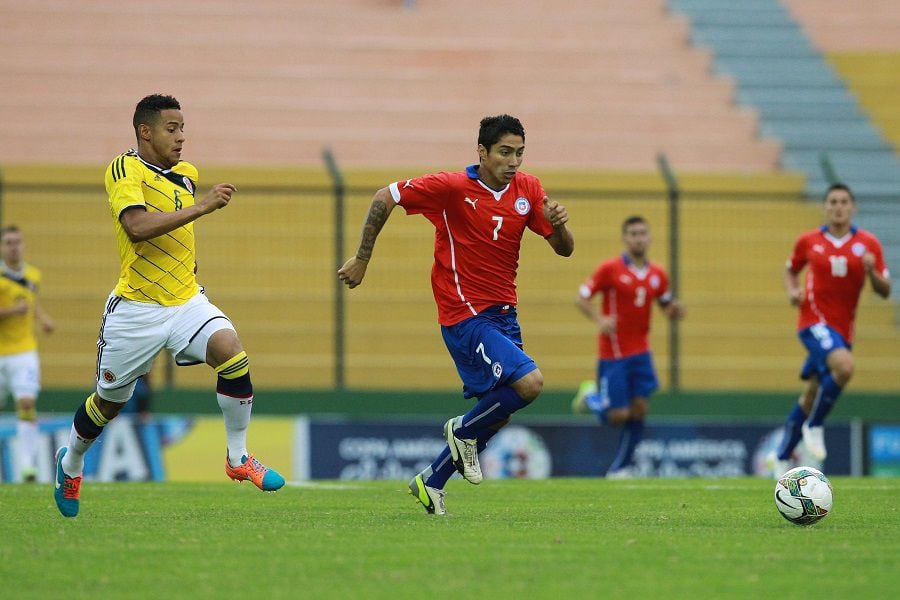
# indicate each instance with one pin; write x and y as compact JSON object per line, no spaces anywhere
{"x":629,"y":284}
{"x":480,"y":215}
{"x":839,"y":258}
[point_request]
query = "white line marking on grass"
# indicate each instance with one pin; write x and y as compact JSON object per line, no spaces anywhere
{"x":323,"y":486}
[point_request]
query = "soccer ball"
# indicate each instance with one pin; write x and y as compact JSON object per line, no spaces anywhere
{"x":803,"y":495}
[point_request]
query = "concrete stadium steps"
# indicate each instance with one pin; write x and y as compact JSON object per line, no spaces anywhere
{"x":373,"y":80}
{"x":875,"y":79}
{"x":862,"y":43}
{"x":803,"y":102}
{"x":835,"y":25}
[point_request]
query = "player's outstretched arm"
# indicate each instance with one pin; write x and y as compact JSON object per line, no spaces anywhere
{"x":141,"y":225}
{"x":353,"y":271}
{"x":561,"y":239}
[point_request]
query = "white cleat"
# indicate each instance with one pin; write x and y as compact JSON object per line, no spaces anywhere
{"x":464,"y":453}
{"x":777,"y":466}
{"x":814,"y":439}
{"x":579,"y":405}
{"x":431,"y":498}
{"x":623,"y":473}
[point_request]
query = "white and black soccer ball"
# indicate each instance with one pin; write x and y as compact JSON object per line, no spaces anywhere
{"x":803,"y":495}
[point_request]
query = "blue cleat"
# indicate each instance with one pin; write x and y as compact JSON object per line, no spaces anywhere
{"x":67,"y":489}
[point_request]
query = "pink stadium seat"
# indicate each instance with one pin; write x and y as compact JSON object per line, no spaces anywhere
{"x":380,"y":84}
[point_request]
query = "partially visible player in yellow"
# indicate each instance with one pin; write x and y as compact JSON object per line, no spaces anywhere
{"x":157,"y":302}
{"x":20,"y":368}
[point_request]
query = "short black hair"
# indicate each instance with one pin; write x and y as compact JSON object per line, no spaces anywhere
{"x":9,"y":229}
{"x":494,"y":128}
{"x":839,"y":186}
{"x":632,"y":220}
{"x":148,"y":109}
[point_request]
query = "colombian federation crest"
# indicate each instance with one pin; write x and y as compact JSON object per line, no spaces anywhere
{"x":522,"y":205}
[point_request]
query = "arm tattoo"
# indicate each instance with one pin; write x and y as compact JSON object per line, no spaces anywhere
{"x":375,"y":220}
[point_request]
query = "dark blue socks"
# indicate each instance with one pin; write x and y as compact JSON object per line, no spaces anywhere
{"x":492,"y":408}
{"x":826,"y":398}
{"x":629,"y":438}
{"x":792,"y":433}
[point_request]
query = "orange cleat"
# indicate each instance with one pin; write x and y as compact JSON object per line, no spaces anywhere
{"x":266,"y":479}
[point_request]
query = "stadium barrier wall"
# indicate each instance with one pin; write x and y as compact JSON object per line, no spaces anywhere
{"x":268,"y":261}
{"x":184,"y":448}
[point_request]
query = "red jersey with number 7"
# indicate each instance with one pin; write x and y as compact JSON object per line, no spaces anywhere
{"x":478,"y":233}
{"x":628,"y":295}
{"x":835,"y":276}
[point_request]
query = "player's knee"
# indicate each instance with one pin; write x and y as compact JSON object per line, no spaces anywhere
{"x":26,"y":410}
{"x":530,"y":386}
{"x":26,"y":403}
{"x":617,"y":416}
{"x":500,"y":425}
{"x":843,"y":369}
{"x":639,"y":407}
{"x":107,"y":408}
{"x":223,"y":346}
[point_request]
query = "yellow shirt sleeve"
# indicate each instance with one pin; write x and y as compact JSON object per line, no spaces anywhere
{"x":123,"y":184}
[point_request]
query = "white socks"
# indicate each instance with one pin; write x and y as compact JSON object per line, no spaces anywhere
{"x":27,"y":434}
{"x":237,"y":417}
{"x":73,"y":461}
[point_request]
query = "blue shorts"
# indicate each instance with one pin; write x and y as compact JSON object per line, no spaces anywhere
{"x":819,"y":339}
{"x":487,"y":350}
{"x":626,"y":378}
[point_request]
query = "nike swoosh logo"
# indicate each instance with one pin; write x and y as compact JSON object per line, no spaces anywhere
{"x":778,"y":497}
{"x":56,"y":482}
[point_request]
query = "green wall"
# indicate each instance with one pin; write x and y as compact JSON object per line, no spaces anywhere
{"x":360,"y":403}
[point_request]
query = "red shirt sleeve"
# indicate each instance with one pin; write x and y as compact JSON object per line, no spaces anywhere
{"x":537,"y":222}
{"x":422,"y":195}
{"x":798,"y":259}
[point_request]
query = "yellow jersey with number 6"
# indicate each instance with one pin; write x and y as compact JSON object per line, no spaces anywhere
{"x":160,"y":270}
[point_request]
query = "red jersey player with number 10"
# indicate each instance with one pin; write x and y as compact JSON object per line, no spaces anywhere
{"x":479,"y":216}
{"x":839,"y":258}
{"x":629,"y":284}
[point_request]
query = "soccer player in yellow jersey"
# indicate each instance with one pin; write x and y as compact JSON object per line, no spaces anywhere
{"x":157,"y":302}
{"x":20,"y":370}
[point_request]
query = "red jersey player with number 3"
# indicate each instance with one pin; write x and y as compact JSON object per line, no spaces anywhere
{"x":839,"y":258}
{"x":479,"y":216}
{"x":629,"y":284}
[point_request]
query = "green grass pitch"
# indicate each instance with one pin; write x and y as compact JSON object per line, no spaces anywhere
{"x":559,"y":538}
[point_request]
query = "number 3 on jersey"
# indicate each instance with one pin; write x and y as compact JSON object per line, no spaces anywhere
{"x":640,"y":296}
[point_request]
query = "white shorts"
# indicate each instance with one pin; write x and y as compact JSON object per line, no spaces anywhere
{"x":132,"y":334}
{"x":20,"y":375}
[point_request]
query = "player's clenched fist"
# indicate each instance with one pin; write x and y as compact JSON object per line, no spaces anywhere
{"x":555,"y":212}
{"x":218,"y":197}
{"x":353,"y":271}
